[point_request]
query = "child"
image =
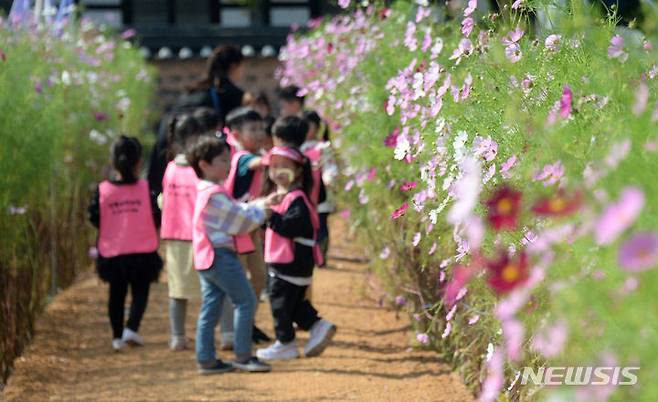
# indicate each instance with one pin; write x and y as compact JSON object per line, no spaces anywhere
{"x":178,"y":196}
{"x":244,"y":182}
{"x":289,"y":131}
{"x":219,"y":226}
{"x":126,"y":257}
{"x":291,"y":103}
{"x":324,"y":170}
{"x":291,"y":251}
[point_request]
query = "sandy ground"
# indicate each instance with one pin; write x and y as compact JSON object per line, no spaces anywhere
{"x":370,"y":359}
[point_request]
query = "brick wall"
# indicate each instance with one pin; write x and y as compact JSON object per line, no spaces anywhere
{"x":175,"y":74}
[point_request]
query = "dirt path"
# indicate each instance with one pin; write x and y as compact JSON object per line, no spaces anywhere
{"x":370,"y":360}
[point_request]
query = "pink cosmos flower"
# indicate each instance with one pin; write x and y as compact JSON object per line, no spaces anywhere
{"x":551,"y":173}
{"x":470,"y":7}
{"x":507,"y":165}
{"x":550,"y":339}
{"x":416,"y":240}
{"x":385,"y":253}
{"x":372,"y":173}
{"x":474,"y":319}
{"x":423,"y":339}
{"x":618,"y":153}
{"x":513,"y":37}
{"x":467,"y":26}
{"x":408,"y":185}
{"x":565,"y":102}
{"x":128,"y":33}
{"x":616,"y":49}
{"x":343,"y":3}
{"x":460,"y":277}
{"x":363,"y":197}
{"x":513,"y":52}
{"x":618,"y":216}
{"x":640,"y":252}
{"x":446,"y":331}
{"x":495,"y":377}
{"x":432,"y":249}
{"x":552,"y":42}
{"x":517,"y":4}
{"x":513,"y":332}
{"x":486,"y":148}
{"x":400,"y":211}
{"x":400,"y":300}
{"x":423,"y":12}
{"x":427,"y":42}
{"x":345,"y":214}
{"x":464,"y":49}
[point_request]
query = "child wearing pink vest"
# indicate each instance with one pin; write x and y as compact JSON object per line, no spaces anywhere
{"x":318,"y":149}
{"x":126,"y":214}
{"x":244,"y":182}
{"x":178,"y":197}
{"x":219,"y":226}
{"x":291,"y":252}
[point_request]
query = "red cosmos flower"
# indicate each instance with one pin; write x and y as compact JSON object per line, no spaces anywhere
{"x":408,"y":186}
{"x":330,"y":47}
{"x":506,"y":274}
{"x":3,"y":56}
{"x":400,"y":211}
{"x":558,"y":205}
{"x":384,"y":13}
{"x":391,"y":140}
{"x":504,"y":208}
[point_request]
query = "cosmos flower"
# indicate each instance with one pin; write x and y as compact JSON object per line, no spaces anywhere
{"x":639,"y":253}
{"x":506,"y":273}
{"x":400,"y":211}
{"x":618,"y":216}
{"x":552,"y":42}
{"x":559,"y":204}
{"x":504,"y":208}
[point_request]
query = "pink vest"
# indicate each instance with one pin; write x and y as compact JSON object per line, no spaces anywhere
{"x":178,"y":196}
{"x":232,"y":143}
{"x":126,"y":220}
{"x":314,"y":154}
{"x":280,"y":249}
{"x":256,"y":182}
{"x":204,"y":254}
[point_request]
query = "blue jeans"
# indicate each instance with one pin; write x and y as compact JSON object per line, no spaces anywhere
{"x":225,"y":277}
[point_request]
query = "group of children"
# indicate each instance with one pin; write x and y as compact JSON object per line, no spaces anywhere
{"x":250,"y":197}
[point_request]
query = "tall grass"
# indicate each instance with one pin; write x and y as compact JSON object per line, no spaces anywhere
{"x":63,"y":99}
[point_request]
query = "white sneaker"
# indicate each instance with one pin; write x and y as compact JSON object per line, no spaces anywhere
{"x":279,"y":351}
{"x":132,"y":338}
{"x":178,"y":343}
{"x":117,"y":344}
{"x":320,"y":336}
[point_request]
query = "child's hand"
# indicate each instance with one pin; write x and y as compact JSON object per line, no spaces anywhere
{"x":273,"y":199}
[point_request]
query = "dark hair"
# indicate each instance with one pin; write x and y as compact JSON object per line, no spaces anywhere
{"x":291,"y":129}
{"x":306,"y":182}
{"x":219,"y":63}
{"x":126,"y":153}
{"x":241,"y":116}
{"x":182,"y":128}
{"x":207,"y":118}
{"x":289,"y":93}
{"x":206,"y":148}
{"x":262,"y":99}
{"x":313,"y":117}
{"x":269,"y":123}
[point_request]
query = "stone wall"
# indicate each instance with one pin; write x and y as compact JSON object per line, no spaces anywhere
{"x":175,"y":74}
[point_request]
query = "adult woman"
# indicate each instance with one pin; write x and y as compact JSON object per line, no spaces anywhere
{"x":216,"y":90}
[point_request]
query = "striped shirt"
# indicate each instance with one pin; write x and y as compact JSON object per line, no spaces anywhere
{"x":224,"y":218}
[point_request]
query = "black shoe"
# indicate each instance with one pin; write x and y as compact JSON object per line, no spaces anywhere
{"x":259,"y":336}
{"x":219,"y":368}
{"x":253,"y":365}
